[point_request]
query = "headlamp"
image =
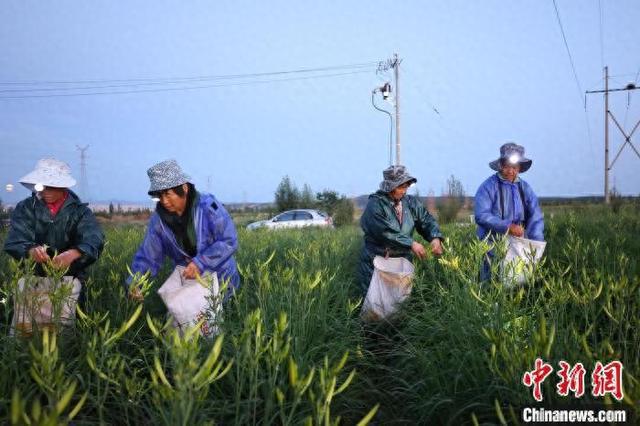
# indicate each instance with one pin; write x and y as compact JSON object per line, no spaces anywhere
{"x":514,"y":159}
{"x":38,"y":187}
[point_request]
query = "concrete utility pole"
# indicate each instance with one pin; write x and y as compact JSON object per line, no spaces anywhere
{"x":396,"y":66}
{"x":607,"y":113}
{"x":385,"y":66}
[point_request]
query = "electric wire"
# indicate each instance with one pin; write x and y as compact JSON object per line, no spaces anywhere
{"x":601,"y":35}
{"x":142,"y":84}
{"x":626,"y":113}
{"x":191,"y":78}
{"x":186,"y":88}
{"x":575,"y":76}
{"x":566,"y":45}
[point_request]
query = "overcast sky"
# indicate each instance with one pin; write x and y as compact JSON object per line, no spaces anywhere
{"x":474,"y":74}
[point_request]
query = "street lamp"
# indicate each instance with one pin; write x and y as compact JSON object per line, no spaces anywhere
{"x":386,"y":93}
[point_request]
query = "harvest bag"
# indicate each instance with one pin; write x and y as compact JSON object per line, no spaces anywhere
{"x":189,"y":301}
{"x":390,"y":285}
{"x":34,"y":308}
{"x":521,"y":255}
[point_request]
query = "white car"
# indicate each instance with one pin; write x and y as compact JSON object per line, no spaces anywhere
{"x":295,"y":219}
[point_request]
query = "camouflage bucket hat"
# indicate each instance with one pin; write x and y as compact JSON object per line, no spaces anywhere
{"x":512,"y":153}
{"x":166,"y":174}
{"x":394,"y":176}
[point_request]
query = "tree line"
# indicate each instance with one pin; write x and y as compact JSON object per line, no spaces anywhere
{"x":288,"y":197}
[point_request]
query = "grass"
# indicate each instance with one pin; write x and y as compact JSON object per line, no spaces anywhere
{"x":294,"y":350}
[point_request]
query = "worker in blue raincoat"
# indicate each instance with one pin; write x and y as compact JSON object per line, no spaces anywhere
{"x":388,"y":222}
{"x":506,"y":204}
{"x":193,"y":229}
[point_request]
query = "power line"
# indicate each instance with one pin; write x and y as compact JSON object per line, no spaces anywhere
{"x":173,"y":89}
{"x":192,"y":78}
{"x":626,"y":113}
{"x":141,"y":84}
{"x":575,"y":76}
{"x":601,"y":36}
{"x":566,"y":45}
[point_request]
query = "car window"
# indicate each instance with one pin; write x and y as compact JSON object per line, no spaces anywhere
{"x":321,"y":213}
{"x":285,"y":216}
{"x":303,"y":216}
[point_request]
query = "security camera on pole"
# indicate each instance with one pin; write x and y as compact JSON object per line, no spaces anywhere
{"x":386,"y":93}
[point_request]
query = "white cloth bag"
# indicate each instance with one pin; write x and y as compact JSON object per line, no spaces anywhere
{"x":390,"y":285}
{"x":189,"y":301}
{"x":521,"y":254}
{"x":33,"y":307}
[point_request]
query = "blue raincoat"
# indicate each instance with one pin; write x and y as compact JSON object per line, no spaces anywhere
{"x":216,"y":243}
{"x":494,"y":214}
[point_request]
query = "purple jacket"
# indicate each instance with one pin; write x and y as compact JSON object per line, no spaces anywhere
{"x":216,"y":243}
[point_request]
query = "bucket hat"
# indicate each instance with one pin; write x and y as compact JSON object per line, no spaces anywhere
{"x":166,"y":174}
{"x":513,"y":153}
{"x":48,"y":172}
{"x":394,"y":176}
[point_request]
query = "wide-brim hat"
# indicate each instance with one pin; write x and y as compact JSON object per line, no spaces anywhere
{"x":49,"y":172}
{"x":394,"y":176}
{"x":513,"y":154}
{"x":165,"y":175}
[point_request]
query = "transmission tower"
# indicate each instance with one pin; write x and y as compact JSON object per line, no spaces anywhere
{"x":84,"y":183}
{"x":627,"y":137}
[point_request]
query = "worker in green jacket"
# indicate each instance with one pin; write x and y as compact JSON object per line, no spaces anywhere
{"x":389,"y":220}
{"x":53,"y":224}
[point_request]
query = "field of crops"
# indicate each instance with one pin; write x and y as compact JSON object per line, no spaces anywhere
{"x":293,"y":349}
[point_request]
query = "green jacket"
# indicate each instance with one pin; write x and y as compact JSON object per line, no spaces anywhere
{"x":74,"y":226}
{"x":383,"y":234}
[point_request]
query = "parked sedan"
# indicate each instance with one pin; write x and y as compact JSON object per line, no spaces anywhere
{"x":295,"y":219}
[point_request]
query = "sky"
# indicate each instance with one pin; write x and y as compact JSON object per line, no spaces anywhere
{"x":473,"y":75}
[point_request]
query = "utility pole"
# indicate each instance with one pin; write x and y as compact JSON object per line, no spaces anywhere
{"x":396,"y":66}
{"x":84,"y":184}
{"x":607,"y":113}
{"x":385,"y":66}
